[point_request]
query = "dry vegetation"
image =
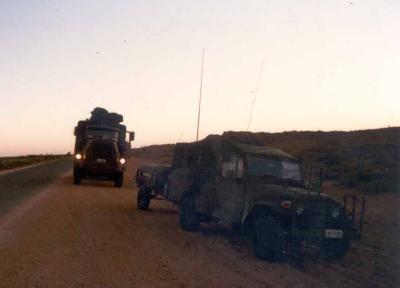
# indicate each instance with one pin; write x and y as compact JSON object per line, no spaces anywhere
{"x":20,"y":161}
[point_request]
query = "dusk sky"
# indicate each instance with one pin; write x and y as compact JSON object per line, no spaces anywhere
{"x":329,"y":65}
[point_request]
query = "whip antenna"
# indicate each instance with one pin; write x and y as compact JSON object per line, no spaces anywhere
{"x":255,"y":93}
{"x":201,"y":90}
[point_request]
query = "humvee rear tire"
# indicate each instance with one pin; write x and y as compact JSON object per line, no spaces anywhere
{"x":187,"y":214}
{"x":77,"y":176}
{"x":269,"y":238}
{"x":119,"y":179}
{"x":143,"y":199}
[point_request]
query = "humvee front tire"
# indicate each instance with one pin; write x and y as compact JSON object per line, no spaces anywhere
{"x":187,"y":214}
{"x":119,"y":179}
{"x":143,"y":199}
{"x":334,"y":249}
{"x":269,"y":238}
{"x":77,"y":176}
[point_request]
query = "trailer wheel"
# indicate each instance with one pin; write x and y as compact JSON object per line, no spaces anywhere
{"x":77,"y":176}
{"x":119,"y":179}
{"x":143,"y":199}
{"x":187,"y":214}
{"x":269,"y":238}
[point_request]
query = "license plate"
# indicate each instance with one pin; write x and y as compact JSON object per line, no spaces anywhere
{"x":100,"y":160}
{"x":333,"y":233}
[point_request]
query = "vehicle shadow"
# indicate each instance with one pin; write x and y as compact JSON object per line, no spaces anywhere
{"x":100,"y":183}
{"x":238,"y":240}
{"x":90,"y":182}
{"x":243,"y":243}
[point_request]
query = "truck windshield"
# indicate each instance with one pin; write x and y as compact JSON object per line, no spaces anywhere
{"x":269,"y":167}
{"x":101,"y":133}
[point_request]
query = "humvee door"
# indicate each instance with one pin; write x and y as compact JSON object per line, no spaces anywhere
{"x":229,"y":190}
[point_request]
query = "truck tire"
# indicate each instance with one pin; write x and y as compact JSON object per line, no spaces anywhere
{"x":269,"y":238}
{"x":143,"y":199}
{"x":77,"y":176}
{"x":187,"y":214}
{"x":119,"y":179}
{"x":334,"y":249}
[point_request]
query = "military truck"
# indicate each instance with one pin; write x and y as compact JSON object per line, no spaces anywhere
{"x":101,"y":148}
{"x":255,"y":189}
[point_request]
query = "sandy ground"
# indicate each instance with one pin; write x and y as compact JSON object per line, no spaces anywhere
{"x":93,"y":236}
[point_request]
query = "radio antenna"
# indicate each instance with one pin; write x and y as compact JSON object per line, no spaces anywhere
{"x":201,"y":90}
{"x":255,"y":93}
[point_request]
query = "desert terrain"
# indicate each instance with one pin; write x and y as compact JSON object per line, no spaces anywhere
{"x":93,"y":235}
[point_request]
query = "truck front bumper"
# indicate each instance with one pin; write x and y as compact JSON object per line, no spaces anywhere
{"x":90,"y":169}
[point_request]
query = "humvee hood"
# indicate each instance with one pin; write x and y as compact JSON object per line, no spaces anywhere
{"x":292,"y":193}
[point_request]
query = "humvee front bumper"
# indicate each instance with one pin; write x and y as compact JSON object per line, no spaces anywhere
{"x":313,"y":229}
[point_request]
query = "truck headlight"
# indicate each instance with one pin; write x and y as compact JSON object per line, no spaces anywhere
{"x":78,"y":156}
{"x":122,"y":161}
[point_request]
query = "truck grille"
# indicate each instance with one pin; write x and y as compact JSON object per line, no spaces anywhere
{"x":101,"y":150}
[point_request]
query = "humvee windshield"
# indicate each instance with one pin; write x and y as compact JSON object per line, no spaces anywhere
{"x":101,"y":133}
{"x":270,"y":167}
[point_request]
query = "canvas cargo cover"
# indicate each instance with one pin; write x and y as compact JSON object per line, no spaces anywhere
{"x":101,"y":115}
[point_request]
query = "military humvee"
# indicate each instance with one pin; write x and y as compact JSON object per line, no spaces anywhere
{"x":256,"y":189}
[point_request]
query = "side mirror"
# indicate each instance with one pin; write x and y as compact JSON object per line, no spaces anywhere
{"x":131,"y":136}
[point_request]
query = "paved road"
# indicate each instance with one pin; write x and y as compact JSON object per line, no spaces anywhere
{"x":20,"y":184}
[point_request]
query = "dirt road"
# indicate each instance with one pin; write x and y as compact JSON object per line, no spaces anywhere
{"x":93,"y":236}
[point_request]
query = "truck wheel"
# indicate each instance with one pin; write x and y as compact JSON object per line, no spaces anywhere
{"x":77,"y":176}
{"x":119,"y":179}
{"x":334,"y":249}
{"x":269,"y":238}
{"x":143,"y":199}
{"x":187,"y":214}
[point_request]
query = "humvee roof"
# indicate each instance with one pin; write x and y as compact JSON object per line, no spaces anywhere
{"x":216,"y":142}
{"x":261,"y":150}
